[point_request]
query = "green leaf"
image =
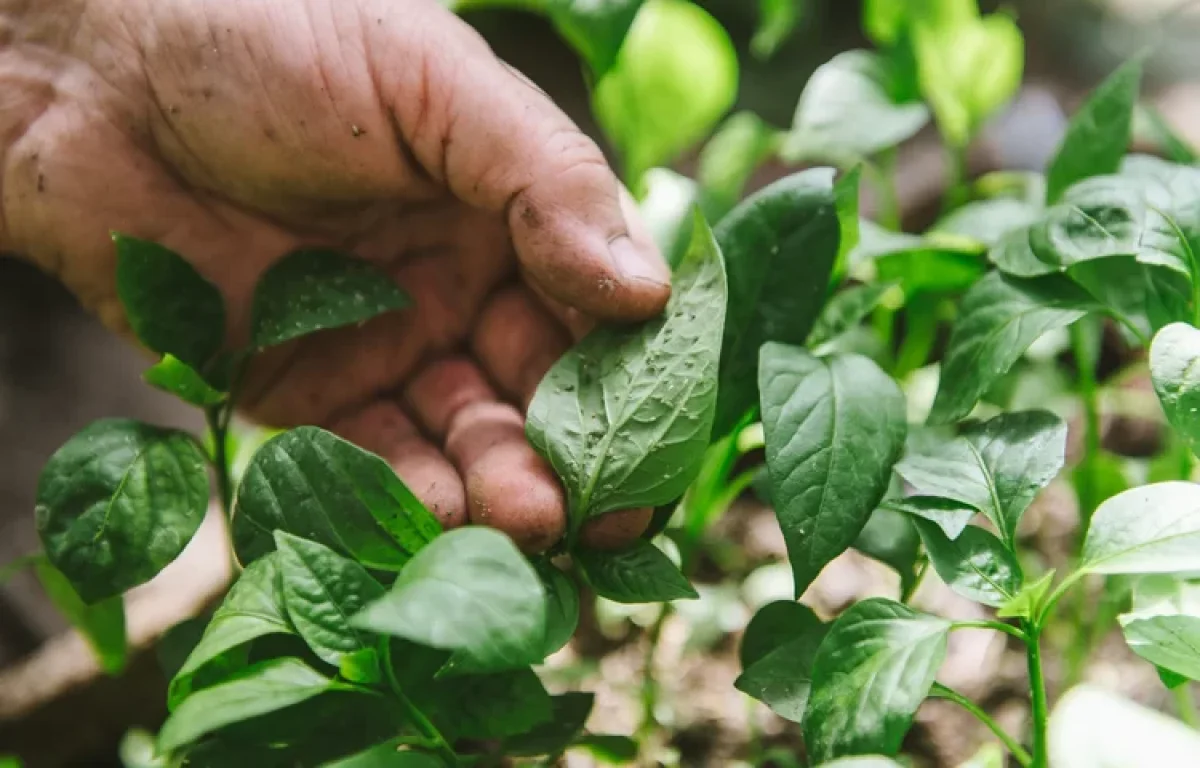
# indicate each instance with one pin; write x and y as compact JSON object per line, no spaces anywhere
{"x":471,"y":591}
{"x":731,"y":156}
{"x":389,"y":754}
{"x":1099,"y":133}
{"x":596,"y":30}
{"x":361,"y":666}
{"x":968,"y":69}
{"x":988,"y":221}
{"x":976,"y":565}
{"x":264,"y":687}
{"x":640,"y":574}
{"x":1152,"y":529}
{"x":252,"y":608}
{"x":321,"y":591}
{"x":852,"y":109}
{"x":102,"y":624}
{"x":846,"y":310}
{"x":625,"y":416}
{"x":311,"y":483}
{"x":777,"y":20}
{"x":890,"y":538}
{"x":885,"y":20}
{"x":647,"y":103}
{"x":931,"y":269}
{"x":773,"y":625}
{"x":169,"y":306}
{"x":1027,"y":604}
{"x":948,"y":514}
{"x":999,"y":318}
{"x":571,"y":711}
{"x":780,"y":246}
{"x":846,"y":193}
{"x":493,"y":706}
{"x":609,"y":748}
{"x":1093,"y":727}
{"x":834,"y":428}
{"x":118,"y":502}
{"x":872,"y":671}
{"x":1164,"y":626}
{"x":781,"y":677}
{"x":667,"y":207}
{"x":1150,"y":127}
{"x":1173,"y":368}
{"x":1144,"y":298}
{"x":562,"y":606}
{"x":316,"y":289}
{"x":997,"y":466}
{"x":176,"y":377}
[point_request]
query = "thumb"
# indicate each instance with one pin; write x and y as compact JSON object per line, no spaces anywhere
{"x":497,"y":142}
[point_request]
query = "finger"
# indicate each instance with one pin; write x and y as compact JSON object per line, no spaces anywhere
{"x":383,"y":429}
{"x":509,"y":486}
{"x":442,"y":389}
{"x":516,"y":341}
{"x":499,"y":143}
{"x":615,"y":530}
{"x":576,"y":323}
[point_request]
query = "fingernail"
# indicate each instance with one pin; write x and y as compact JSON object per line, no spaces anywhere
{"x":636,"y":264}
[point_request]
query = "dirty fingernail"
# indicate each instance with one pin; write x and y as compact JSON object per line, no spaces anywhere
{"x":636,"y":264}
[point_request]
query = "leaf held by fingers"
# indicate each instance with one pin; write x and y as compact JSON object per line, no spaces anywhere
{"x":624,"y":417}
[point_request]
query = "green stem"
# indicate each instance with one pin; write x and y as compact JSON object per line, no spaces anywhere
{"x":998,"y":626}
{"x":884,"y":173}
{"x":957,"y":191}
{"x":649,"y":684}
{"x":1037,"y":686}
{"x":910,"y":589}
{"x":426,"y":728}
{"x":218,"y":426}
{"x":1186,"y":705}
{"x":1017,"y":751}
{"x":1086,"y":366}
{"x":920,"y":332}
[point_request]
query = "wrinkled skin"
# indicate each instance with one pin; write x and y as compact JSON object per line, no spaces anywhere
{"x":234,"y":131}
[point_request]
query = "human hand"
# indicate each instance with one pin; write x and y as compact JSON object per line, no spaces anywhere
{"x":234,"y":132}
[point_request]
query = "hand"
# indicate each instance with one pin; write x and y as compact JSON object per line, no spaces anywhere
{"x":233,"y":132}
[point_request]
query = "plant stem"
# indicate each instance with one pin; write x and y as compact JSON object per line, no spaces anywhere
{"x":998,"y":626}
{"x":920,"y":332}
{"x":218,"y":425}
{"x":649,"y":684}
{"x":1085,"y":363}
{"x":957,"y":192}
{"x":884,"y":171}
{"x":910,"y":589}
{"x":427,"y":729}
{"x":1186,"y":705}
{"x":1037,"y":686}
{"x":1017,"y":751}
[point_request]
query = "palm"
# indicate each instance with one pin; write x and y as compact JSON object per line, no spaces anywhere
{"x":235,"y":132}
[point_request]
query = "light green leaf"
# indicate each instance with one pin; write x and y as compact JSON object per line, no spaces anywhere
{"x":562,"y":606}
{"x":252,"y":608}
{"x":390,"y":754}
{"x":321,"y":591}
{"x":776,"y":21}
{"x":471,"y":591}
{"x":361,"y":666}
{"x":118,"y":502}
{"x":648,"y":103}
{"x":102,"y":624}
{"x":885,"y":20}
{"x":997,"y":466}
{"x":1164,"y":626}
{"x":781,"y":677}
{"x":968,"y":68}
{"x":1174,"y":369}
{"x":169,"y":306}
{"x":312,"y":484}
{"x":265,"y":687}
{"x":640,"y":574}
{"x":1099,"y":133}
{"x":595,"y":29}
{"x":1027,"y":604}
{"x":948,"y":514}
{"x":176,"y":377}
{"x":1094,"y":728}
{"x":667,"y":207}
{"x":317,"y":289}
{"x":932,"y":269}
{"x":989,"y":221}
{"x":625,"y":416}
{"x":1152,"y":529}
{"x":780,"y":246}
{"x":976,"y":565}
{"x":872,"y":671}
{"x":845,"y":311}
{"x":834,"y":428}
{"x":999,"y":319}
{"x":731,"y":156}
{"x":850,"y":110}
